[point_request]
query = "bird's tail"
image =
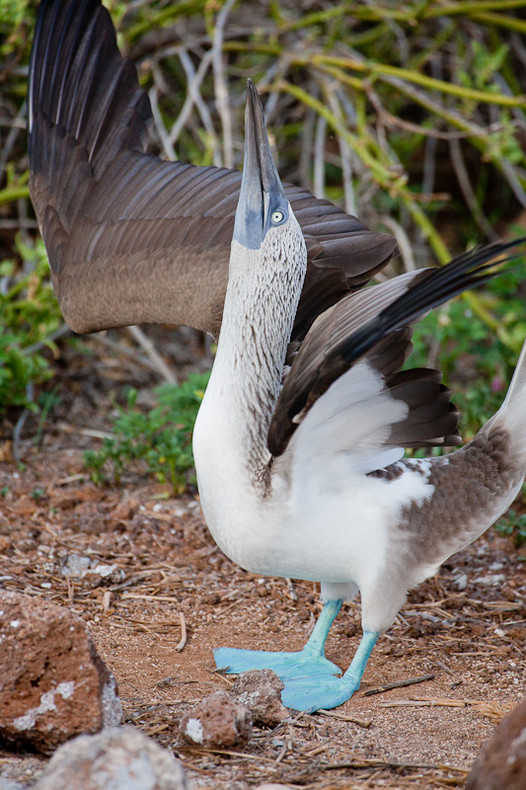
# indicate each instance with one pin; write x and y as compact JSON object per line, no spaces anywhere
{"x":512,"y":413}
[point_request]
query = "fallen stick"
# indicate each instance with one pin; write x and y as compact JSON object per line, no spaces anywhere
{"x":343,"y":717}
{"x":398,"y":684}
{"x":492,"y":710}
{"x":390,"y":764}
{"x":181,"y":644}
{"x":423,"y":703}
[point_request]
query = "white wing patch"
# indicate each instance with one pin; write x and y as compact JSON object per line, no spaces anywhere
{"x":354,"y":417}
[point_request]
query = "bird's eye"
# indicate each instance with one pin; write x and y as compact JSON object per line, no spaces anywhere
{"x":277,"y":216}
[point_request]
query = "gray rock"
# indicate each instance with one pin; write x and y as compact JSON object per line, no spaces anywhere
{"x":118,"y":758}
{"x":75,"y":565}
{"x":78,"y":566}
{"x":501,"y":764}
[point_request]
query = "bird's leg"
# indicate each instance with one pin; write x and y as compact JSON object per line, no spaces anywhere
{"x":309,"y":663}
{"x":309,"y":695}
{"x":315,"y":645}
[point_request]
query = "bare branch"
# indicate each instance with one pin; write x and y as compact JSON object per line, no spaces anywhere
{"x":221,"y":89}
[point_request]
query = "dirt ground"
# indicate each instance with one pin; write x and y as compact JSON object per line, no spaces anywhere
{"x":172,"y":596}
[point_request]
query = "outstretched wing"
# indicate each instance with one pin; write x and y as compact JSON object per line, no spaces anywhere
{"x":135,"y":239}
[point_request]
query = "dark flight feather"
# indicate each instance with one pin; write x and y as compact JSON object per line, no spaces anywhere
{"x":368,"y":324}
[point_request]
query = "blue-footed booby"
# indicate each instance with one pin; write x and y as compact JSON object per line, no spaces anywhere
{"x":301,"y":471}
{"x":299,"y":442}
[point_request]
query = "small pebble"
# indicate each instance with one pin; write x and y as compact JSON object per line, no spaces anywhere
{"x":219,"y":721}
{"x":273,"y":786}
{"x":260,"y":691}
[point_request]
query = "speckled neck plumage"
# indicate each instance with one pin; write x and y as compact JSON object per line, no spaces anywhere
{"x":262,"y":296}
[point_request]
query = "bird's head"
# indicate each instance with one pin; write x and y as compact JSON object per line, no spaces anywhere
{"x":264,"y":218}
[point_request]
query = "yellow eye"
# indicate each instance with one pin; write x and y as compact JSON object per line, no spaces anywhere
{"x":277,"y":216}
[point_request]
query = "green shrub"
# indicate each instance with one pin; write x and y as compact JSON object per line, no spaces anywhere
{"x":513,"y":525}
{"x":160,"y":437}
{"x":29,"y":314}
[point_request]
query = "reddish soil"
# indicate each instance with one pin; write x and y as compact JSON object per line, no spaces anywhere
{"x":173,"y":596}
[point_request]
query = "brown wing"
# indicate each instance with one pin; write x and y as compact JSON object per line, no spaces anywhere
{"x":374,"y":323}
{"x":134,"y":239}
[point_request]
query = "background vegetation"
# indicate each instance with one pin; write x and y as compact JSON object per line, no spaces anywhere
{"x":410,"y":114}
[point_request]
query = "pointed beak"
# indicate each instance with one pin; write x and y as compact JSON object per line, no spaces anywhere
{"x":260,"y":186}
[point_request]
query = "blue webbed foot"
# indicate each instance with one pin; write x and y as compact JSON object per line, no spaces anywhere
{"x":310,"y":695}
{"x":309,"y":662}
{"x":309,"y":677}
{"x":285,"y":665}
{"x":329,"y":692}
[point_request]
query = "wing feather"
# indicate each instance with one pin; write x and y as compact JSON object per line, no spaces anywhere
{"x":375,"y":323}
{"x":131,"y":238}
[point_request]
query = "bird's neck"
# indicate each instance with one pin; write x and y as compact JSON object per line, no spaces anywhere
{"x":260,"y":307}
